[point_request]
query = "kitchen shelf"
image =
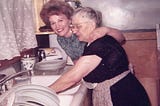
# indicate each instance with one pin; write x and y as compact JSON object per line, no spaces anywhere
{"x":44,"y":33}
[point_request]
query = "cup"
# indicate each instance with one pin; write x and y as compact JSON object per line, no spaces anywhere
{"x":28,"y":63}
{"x":24,"y":78}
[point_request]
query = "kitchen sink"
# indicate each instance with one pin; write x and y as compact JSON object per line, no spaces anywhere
{"x":71,"y":97}
{"x":66,"y":97}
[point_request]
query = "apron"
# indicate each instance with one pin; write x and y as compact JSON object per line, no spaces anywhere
{"x":101,"y":91}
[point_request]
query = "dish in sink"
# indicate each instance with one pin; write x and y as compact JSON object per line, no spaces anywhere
{"x":49,"y":79}
{"x":31,"y":95}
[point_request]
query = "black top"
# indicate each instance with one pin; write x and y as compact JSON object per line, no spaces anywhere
{"x":114,"y":59}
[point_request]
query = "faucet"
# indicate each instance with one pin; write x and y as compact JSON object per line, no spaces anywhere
{"x":3,"y":85}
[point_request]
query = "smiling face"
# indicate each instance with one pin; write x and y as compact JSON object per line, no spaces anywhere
{"x":82,"y":26}
{"x":60,"y":25}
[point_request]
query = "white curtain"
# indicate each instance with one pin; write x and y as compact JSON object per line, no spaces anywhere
{"x":16,"y":27}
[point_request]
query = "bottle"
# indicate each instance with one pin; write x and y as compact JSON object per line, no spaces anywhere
{"x":41,"y":55}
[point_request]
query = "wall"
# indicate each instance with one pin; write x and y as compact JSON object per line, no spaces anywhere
{"x":121,"y":14}
{"x":127,"y":14}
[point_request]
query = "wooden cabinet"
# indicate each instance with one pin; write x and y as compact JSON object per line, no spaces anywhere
{"x":37,"y":4}
{"x":141,"y":48}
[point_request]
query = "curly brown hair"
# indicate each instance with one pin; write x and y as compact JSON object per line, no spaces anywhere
{"x":55,"y":7}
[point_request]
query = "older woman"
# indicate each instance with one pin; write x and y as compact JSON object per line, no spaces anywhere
{"x":104,"y":64}
{"x":57,"y":14}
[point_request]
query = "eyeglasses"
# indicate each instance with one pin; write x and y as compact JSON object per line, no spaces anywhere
{"x":77,"y":26}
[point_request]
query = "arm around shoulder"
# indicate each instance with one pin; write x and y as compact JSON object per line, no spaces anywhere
{"x":115,"y":33}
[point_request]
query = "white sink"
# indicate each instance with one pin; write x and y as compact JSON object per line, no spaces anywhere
{"x":71,"y":97}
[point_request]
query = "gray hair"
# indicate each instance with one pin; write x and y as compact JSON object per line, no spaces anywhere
{"x":90,"y":13}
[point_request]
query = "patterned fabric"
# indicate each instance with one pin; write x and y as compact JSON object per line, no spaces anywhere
{"x":103,"y":90}
{"x":17,"y":27}
{"x":72,"y":46}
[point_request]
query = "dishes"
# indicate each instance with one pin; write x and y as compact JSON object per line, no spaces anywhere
{"x":50,"y":65}
{"x":34,"y":95}
{"x":49,"y":79}
{"x":52,"y":61}
{"x":50,"y":53}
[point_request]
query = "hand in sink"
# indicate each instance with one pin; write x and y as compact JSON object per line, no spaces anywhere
{"x":48,"y":80}
{"x":71,"y":90}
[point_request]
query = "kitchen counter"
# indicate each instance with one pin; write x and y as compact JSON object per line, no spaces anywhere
{"x":71,"y":97}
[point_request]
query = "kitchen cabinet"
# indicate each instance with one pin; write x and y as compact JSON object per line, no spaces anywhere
{"x":141,"y":48}
{"x":37,"y":4}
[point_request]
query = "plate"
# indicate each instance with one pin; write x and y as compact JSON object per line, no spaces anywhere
{"x":25,"y":104}
{"x":33,"y":86}
{"x":35,"y":96}
{"x":50,"y":65}
{"x":36,"y":93}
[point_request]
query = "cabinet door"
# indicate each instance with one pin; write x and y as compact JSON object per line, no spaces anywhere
{"x":37,"y":8}
{"x":142,"y":52}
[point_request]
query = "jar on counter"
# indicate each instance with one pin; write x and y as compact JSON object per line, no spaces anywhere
{"x":27,"y":63}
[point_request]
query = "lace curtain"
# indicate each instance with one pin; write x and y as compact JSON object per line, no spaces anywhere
{"x":16,"y":27}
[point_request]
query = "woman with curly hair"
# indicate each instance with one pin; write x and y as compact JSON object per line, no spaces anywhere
{"x":57,"y":14}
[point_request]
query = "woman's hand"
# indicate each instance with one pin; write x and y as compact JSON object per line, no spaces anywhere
{"x":102,"y":31}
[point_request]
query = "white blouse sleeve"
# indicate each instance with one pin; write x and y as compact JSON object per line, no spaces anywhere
{"x":54,"y":43}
